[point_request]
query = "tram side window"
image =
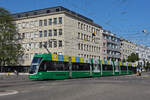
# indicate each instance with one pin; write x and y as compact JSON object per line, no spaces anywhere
{"x":123,"y":68}
{"x":57,"y":66}
{"x":80,"y":66}
{"x":130,"y":67}
{"x":107,"y":67}
{"x":66,"y":64}
{"x":54,"y":66}
{"x":50,"y":66}
{"x":75,"y":66}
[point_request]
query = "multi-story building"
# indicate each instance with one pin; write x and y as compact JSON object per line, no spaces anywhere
{"x":62,"y":31}
{"x":111,"y":46}
{"x":127,"y":48}
{"x":143,"y":53}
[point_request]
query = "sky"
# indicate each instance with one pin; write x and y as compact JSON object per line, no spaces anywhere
{"x":125,"y":18}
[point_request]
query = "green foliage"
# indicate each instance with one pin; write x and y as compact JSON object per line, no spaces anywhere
{"x":10,"y":49}
{"x":133,"y":57}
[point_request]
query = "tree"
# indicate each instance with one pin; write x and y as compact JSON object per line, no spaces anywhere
{"x":133,"y":57}
{"x":10,"y":48}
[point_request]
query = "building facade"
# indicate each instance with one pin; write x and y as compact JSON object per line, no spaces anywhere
{"x":60,"y":30}
{"x":127,"y":48}
{"x":111,"y":46}
{"x":143,"y":53}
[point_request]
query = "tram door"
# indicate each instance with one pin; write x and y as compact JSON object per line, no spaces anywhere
{"x":116,"y":66}
{"x":70,"y":68}
{"x":87,"y":60}
{"x":96,"y":67}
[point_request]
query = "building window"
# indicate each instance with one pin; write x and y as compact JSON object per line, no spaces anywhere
{"x":40,"y":45}
{"x":87,"y":38}
{"x":84,"y":27}
{"x":92,"y":29}
{"x":40,"y":32}
{"x":55,"y":20}
{"x":92,"y":48}
{"x":35,"y":13}
{"x":50,"y":44}
{"x":45,"y":22}
{"x":81,"y":46}
{"x":60,"y":20}
{"x":45,"y":44}
{"x":78,"y":35}
{"x":82,"y":36}
{"x":19,"y":16}
{"x":84,"y":47}
{"x":87,"y":48}
{"x":55,"y":44}
{"x":45,"y":33}
{"x":104,"y":44}
{"x":57,"y":10}
{"x":40,"y":22}
{"x":26,"y":14}
{"x":60,"y":43}
{"x":48,"y":11}
{"x":78,"y":46}
{"x":79,"y":25}
{"x":60,"y":31}
{"x":50,"y":33}
{"x":50,"y":21}
{"x":23,"y":35}
{"x":55,"y":32}
{"x":87,"y":28}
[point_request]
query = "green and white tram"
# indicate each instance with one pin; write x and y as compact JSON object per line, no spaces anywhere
{"x":52,"y":66}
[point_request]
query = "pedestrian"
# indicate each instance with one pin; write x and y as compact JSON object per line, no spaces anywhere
{"x":16,"y":72}
{"x":140,"y":71}
{"x":137,"y":71}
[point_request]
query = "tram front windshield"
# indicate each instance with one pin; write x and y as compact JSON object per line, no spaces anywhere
{"x":35,"y":62}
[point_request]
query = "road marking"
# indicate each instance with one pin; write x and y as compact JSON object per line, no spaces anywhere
{"x":8,"y":92}
{"x":25,"y":91}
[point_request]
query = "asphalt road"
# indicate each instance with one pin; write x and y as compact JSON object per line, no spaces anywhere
{"x":128,"y":87}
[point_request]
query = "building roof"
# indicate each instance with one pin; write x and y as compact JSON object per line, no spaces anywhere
{"x":53,"y":10}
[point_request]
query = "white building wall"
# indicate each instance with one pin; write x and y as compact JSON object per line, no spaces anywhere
{"x":29,"y":29}
{"x":144,"y":53}
{"x":72,"y":39}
